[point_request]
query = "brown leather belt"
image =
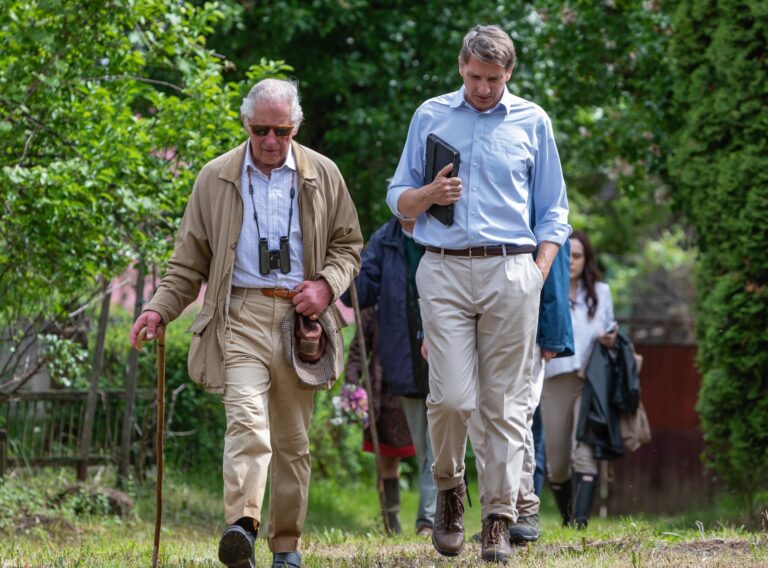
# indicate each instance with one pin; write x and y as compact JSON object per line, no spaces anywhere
{"x":285,"y":293}
{"x":491,"y":250}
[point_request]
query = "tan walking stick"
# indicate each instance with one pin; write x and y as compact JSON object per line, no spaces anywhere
{"x":160,"y":435}
{"x":371,"y":416}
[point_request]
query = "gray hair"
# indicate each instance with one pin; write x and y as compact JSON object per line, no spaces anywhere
{"x":274,"y":91}
{"x":489,"y":44}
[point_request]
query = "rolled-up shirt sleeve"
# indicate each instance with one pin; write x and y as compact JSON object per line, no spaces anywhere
{"x":548,"y":189}
{"x":410,"y":170}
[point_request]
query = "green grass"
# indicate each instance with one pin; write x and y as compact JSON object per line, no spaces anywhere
{"x":343,"y":529}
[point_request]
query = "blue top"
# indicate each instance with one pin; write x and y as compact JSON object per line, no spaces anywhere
{"x":383,"y":281}
{"x":509,"y":167}
{"x":555,"y":331}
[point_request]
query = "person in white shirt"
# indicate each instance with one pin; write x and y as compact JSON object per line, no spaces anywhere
{"x":571,"y":465}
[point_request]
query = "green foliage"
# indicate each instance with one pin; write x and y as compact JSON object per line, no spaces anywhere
{"x":68,"y":365}
{"x":597,"y":68}
{"x":600,"y":70}
{"x":721,"y":172}
{"x":363,"y":69}
{"x":108,"y":112}
{"x":86,"y":502}
{"x":344,"y":529}
{"x":17,"y":500}
{"x":629,"y":274}
{"x":196,"y":431}
{"x":336,"y":450}
{"x":198,"y":419}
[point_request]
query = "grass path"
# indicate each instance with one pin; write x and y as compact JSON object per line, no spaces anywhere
{"x":122,"y":545}
{"x":342,"y":531}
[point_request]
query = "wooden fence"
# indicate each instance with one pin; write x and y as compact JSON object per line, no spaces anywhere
{"x":667,"y":475}
{"x":44,"y":427}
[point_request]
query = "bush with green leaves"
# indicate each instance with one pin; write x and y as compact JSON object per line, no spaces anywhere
{"x":720,"y":167}
{"x":107,"y":112}
{"x":597,"y":68}
{"x":197,"y":422}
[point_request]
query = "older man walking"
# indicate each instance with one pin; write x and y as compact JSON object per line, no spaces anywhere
{"x":270,"y":226}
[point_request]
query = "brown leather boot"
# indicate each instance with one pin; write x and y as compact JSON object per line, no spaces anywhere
{"x":495,"y":540}
{"x":448,"y":532}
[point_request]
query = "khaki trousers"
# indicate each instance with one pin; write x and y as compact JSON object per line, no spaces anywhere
{"x":527,"y":500}
{"x":480,"y":313}
{"x":267,"y":420}
{"x":560,"y":404}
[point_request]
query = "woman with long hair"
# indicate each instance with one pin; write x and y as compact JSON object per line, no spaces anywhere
{"x":571,"y":465}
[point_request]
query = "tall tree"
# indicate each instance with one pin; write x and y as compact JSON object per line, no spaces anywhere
{"x":601,"y":70}
{"x":108,"y":110}
{"x":364,"y":66}
{"x":597,"y":68}
{"x":720,"y":166}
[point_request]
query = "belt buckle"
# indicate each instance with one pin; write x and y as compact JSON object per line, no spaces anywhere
{"x":282,"y":292}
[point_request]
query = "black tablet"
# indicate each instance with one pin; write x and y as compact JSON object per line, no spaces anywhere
{"x":439,"y":155}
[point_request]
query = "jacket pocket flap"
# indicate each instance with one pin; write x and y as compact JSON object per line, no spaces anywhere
{"x":200,"y":323}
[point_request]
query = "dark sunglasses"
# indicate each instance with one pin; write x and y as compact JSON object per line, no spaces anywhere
{"x":263,"y":130}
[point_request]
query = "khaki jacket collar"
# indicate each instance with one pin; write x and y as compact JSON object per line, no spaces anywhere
{"x":233,"y":166}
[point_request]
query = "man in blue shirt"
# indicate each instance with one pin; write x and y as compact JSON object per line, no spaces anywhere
{"x":478,"y":284}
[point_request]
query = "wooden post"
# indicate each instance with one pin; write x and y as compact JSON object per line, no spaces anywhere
{"x":130,"y":386}
{"x":86,"y":435}
{"x":371,"y":405}
{"x":3,"y":452}
{"x":159,"y":446}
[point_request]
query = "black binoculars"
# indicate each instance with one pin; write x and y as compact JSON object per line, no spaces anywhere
{"x":270,"y":260}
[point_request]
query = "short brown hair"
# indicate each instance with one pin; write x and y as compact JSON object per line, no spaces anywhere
{"x":490,"y":44}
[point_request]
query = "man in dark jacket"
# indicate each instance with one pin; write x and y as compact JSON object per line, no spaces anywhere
{"x":388,"y":278}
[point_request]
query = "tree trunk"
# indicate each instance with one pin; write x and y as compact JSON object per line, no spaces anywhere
{"x":86,"y":436}
{"x":130,"y":386}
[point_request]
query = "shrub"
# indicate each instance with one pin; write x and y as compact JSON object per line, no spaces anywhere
{"x":719,"y":167}
{"x":197,"y":415}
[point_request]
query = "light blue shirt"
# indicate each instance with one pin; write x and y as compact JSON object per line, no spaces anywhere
{"x":272,"y":197}
{"x":509,"y":168}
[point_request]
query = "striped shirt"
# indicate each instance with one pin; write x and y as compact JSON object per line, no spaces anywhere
{"x":272,"y":198}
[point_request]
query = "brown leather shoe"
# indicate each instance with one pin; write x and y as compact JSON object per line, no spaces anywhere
{"x":495,"y":540}
{"x":448,"y":532}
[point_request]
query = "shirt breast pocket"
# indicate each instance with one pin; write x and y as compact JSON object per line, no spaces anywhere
{"x":509,"y":162}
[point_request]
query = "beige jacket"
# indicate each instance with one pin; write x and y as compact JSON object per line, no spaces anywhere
{"x":205,"y":249}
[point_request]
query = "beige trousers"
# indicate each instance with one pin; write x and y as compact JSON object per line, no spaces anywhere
{"x":267,"y":420}
{"x":560,"y":404}
{"x":480,"y":313}
{"x":527,"y":501}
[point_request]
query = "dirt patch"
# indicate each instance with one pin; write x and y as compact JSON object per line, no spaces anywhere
{"x":53,"y":524}
{"x":716,"y":546}
{"x":619,"y":552}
